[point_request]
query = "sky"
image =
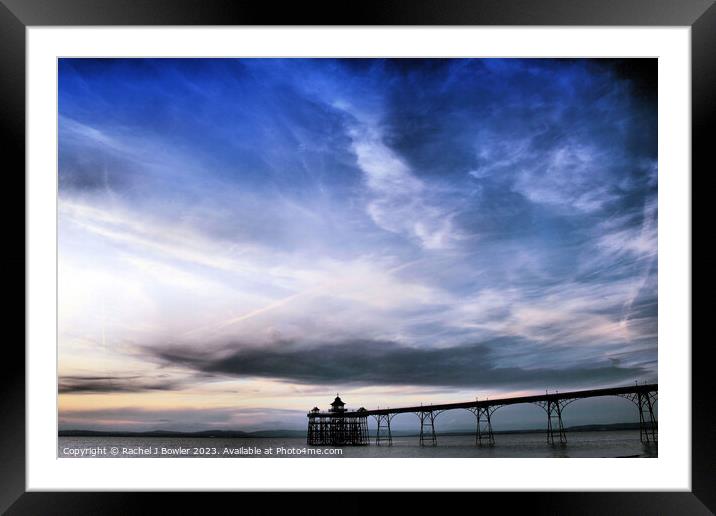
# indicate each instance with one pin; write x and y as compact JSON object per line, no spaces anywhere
{"x":241,"y":239}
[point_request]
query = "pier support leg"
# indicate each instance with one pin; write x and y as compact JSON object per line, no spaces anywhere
{"x":487,"y":438}
{"x":311,"y":437}
{"x":647,"y":421}
{"x":323,"y":432}
{"x":478,"y":433}
{"x":645,"y":401}
{"x":483,"y":428}
{"x":555,"y":428}
{"x":365,"y":438}
{"x":383,"y":421}
{"x":427,"y":429}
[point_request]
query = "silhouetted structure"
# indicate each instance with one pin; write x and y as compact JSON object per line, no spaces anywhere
{"x":340,"y":427}
{"x":334,"y":428}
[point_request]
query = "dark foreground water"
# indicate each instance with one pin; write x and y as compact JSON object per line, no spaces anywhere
{"x":581,"y":444}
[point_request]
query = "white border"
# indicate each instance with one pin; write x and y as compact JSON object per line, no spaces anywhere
{"x":671,"y":470}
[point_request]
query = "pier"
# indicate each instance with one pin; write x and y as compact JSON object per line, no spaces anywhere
{"x":341,"y":427}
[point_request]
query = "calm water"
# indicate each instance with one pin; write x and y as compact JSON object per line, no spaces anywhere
{"x":581,"y":444}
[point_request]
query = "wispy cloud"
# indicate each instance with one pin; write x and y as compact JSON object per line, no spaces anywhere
{"x":399,"y":201}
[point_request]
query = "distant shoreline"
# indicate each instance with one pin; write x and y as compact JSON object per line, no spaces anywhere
{"x":238,"y":434}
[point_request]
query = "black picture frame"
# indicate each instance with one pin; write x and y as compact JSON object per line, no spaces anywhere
{"x":17,"y":15}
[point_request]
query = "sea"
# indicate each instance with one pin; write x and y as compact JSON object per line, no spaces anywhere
{"x":610,"y":443}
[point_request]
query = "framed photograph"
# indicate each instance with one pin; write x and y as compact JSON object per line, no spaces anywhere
{"x":436,"y":248}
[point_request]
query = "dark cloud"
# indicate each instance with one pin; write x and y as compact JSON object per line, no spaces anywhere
{"x":97,"y":384}
{"x":387,"y":363}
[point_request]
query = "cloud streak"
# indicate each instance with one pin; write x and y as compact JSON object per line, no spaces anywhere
{"x":400,"y":202}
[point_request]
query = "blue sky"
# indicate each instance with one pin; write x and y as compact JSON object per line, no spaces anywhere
{"x":242,"y":238}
